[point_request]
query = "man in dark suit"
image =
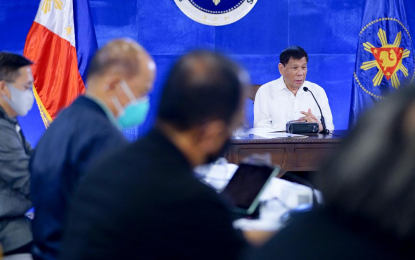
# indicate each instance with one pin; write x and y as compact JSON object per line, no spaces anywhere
{"x":120,"y":75}
{"x":143,"y":202}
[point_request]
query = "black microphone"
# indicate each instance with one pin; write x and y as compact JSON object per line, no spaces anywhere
{"x":323,"y":122}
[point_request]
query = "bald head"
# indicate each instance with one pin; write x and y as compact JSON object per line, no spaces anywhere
{"x":122,"y":56}
{"x":118,"y":62}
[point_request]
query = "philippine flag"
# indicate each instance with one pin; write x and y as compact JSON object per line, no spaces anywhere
{"x":61,"y":42}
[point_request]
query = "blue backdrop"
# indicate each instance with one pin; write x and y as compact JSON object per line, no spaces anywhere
{"x":327,"y":29}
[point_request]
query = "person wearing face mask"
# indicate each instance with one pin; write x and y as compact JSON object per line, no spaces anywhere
{"x":119,"y":78}
{"x":285,"y":99}
{"x":144,"y":202}
{"x":16,"y":99}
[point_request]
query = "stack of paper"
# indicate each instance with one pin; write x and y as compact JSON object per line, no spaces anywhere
{"x":270,"y":133}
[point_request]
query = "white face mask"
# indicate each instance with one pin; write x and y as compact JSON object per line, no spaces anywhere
{"x":21,"y":100}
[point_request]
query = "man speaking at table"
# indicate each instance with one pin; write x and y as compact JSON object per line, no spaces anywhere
{"x":285,"y":99}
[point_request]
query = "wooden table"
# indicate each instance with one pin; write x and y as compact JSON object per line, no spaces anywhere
{"x":291,"y":154}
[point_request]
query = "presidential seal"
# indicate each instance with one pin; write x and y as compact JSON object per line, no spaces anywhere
{"x":385,"y":59}
{"x":215,"y":12}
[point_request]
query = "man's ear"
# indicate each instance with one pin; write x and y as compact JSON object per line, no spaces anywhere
{"x":3,"y":88}
{"x":211,"y":135}
{"x":281,"y":68}
{"x":111,"y":82}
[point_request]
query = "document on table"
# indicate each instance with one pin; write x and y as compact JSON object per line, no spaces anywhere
{"x":270,"y":133}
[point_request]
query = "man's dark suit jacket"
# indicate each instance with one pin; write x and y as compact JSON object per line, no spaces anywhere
{"x":78,"y":135}
{"x":322,"y":234}
{"x":144,"y":203}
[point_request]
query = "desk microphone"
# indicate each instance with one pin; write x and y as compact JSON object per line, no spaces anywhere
{"x":323,"y":122}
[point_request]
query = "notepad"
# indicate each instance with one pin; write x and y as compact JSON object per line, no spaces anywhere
{"x":269,"y":133}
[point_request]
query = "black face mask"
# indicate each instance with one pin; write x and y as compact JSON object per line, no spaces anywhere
{"x":213,"y":157}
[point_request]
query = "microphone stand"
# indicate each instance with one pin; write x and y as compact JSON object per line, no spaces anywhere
{"x":325,"y":131}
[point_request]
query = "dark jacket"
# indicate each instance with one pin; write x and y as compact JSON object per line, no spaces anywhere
{"x":14,"y":185}
{"x":322,"y":234}
{"x":78,"y":135}
{"x":143,"y":202}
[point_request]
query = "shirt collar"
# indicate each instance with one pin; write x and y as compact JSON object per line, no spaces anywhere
{"x":282,"y":86}
{"x":8,"y":118}
{"x":104,"y":107}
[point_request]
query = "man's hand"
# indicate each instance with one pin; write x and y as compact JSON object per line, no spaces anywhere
{"x":258,"y":237}
{"x":309,"y":117}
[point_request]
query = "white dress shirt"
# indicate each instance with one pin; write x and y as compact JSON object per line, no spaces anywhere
{"x":275,"y":105}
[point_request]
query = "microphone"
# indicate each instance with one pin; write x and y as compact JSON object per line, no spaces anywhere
{"x":323,"y":122}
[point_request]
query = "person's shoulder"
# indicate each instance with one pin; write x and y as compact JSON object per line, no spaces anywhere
{"x":5,"y":125}
{"x":126,"y":157}
{"x":8,"y":132}
{"x":81,"y":123}
{"x":83,"y":108}
{"x":86,"y":117}
{"x":314,"y":87}
{"x":83,"y":133}
{"x":204,"y":195}
{"x":269,"y":85}
{"x":71,"y":118}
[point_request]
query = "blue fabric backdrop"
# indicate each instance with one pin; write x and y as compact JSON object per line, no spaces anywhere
{"x":327,"y":29}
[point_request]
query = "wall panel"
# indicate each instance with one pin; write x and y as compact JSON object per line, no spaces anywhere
{"x":327,"y":29}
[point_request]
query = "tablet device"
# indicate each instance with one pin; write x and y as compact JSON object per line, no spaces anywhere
{"x":247,"y":185}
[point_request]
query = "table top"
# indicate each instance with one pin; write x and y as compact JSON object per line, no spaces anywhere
{"x":336,"y":137}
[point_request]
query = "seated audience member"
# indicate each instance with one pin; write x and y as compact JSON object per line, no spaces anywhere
{"x":144,"y":202}
{"x":16,"y":99}
{"x":368,"y":186}
{"x":284,"y":99}
{"x":120,"y":75}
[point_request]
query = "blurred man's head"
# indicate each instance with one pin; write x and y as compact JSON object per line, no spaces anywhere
{"x":202,"y":103}
{"x":372,"y":176}
{"x":16,"y":82}
{"x":121,"y":74}
{"x":293,"y":66}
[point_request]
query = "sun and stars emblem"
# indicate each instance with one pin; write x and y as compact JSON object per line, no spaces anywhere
{"x":57,"y":5}
{"x":388,"y":59}
{"x":47,"y":4}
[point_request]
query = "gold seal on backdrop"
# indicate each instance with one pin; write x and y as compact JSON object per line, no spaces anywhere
{"x":215,"y":12}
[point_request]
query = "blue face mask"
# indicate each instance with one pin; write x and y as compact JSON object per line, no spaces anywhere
{"x":135,"y":112}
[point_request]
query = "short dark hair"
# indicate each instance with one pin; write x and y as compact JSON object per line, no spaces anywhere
{"x":202,"y":86}
{"x":295,"y":52}
{"x":10,"y":64}
{"x":372,"y":176}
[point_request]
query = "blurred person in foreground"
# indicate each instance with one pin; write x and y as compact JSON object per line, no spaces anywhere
{"x":369,"y":194}
{"x":16,"y":99}
{"x":119,"y":78}
{"x":144,"y":202}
